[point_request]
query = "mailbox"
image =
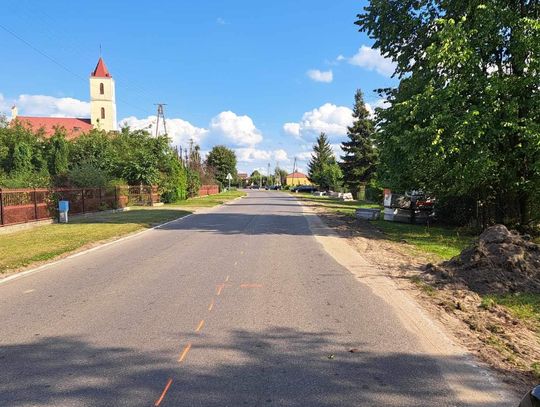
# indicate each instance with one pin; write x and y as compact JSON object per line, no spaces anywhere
{"x":63,"y":209}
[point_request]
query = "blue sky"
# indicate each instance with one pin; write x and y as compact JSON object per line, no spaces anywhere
{"x":260,"y":77}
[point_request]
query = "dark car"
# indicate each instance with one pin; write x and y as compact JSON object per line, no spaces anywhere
{"x":305,"y":188}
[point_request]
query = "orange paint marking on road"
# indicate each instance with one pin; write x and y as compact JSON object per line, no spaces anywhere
{"x":184,"y":353}
{"x":163,"y":393}
{"x":199,"y":327}
{"x":211,"y":305}
{"x":246,"y":285}
{"x":219,"y":288}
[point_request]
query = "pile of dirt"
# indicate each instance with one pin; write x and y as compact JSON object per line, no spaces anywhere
{"x":500,"y":261}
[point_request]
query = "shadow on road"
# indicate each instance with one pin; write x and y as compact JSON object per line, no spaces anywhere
{"x":275,"y":367}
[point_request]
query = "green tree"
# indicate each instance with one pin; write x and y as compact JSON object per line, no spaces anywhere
{"x":465,"y":118}
{"x":57,"y":150}
{"x":322,"y":157}
{"x":223,"y":161}
{"x":359,"y":161}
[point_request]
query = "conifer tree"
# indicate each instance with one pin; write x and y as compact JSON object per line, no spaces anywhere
{"x":322,"y":168}
{"x":359,"y":162}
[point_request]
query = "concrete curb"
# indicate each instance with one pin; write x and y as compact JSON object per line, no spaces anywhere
{"x":101,"y":246}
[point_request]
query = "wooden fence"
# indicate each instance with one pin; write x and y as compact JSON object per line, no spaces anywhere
{"x":30,"y":205}
{"x":208,"y":190}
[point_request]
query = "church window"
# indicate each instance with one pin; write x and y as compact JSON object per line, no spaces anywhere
{"x":101,"y":89}
{"x":102,"y":112}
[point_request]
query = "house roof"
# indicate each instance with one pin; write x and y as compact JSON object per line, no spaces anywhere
{"x":101,"y":70}
{"x":242,"y":175}
{"x":74,"y":126}
{"x":297,"y":174}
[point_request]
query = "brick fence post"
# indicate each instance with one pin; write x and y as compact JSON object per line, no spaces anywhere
{"x":1,"y":207}
{"x":35,"y":205}
{"x":82,"y":198}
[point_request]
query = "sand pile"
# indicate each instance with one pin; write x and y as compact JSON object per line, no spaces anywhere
{"x":500,"y":261}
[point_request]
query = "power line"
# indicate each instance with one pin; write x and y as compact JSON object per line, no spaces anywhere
{"x":56,"y":62}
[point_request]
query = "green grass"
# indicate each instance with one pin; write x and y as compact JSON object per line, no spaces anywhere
{"x":336,"y":205}
{"x":22,"y":248}
{"x":442,"y":243}
{"x":208,"y":201}
{"x":524,"y":306}
{"x":19,"y":249}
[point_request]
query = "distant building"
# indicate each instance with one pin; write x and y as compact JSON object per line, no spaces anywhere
{"x":242,"y":178}
{"x":297,"y":178}
{"x":102,"y":109}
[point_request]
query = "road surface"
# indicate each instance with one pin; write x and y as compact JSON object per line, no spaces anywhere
{"x":239,"y":306}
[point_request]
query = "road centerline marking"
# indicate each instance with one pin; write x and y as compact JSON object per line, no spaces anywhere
{"x":163,"y":393}
{"x":211,"y":306}
{"x":219,"y":288}
{"x":184,"y":353}
{"x":227,"y":279}
{"x":250,"y":285}
{"x":199,"y":327}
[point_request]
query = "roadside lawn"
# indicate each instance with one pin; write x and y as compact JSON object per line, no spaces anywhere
{"x":438,"y":242}
{"x":441,"y":243}
{"x":19,"y":249}
{"x":336,"y":205}
{"x":22,"y":248}
{"x":208,"y":201}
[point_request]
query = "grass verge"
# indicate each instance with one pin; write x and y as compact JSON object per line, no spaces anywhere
{"x":524,"y":306}
{"x":22,"y":248}
{"x":336,"y":205}
{"x":442,"y":243}
{"x":208,"y":201}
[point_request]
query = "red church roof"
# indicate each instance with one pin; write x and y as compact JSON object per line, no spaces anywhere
{"x":101,"y":70}
{"x":297,"y":174}
{"x":74,"y":126}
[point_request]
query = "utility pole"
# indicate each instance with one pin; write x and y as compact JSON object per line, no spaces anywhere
{"x":268,"y":176}
{"x":294,"y":170}
{"x":160,"y":113}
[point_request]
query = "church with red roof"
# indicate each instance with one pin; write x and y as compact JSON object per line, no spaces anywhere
{"x":102,"y":110}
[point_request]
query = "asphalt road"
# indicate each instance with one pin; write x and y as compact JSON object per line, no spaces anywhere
{"x":240,"y":306}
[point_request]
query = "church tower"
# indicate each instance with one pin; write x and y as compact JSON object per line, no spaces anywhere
{"x":102,"y":98}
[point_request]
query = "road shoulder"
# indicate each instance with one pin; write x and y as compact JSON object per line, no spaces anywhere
{"x":435,"y":340}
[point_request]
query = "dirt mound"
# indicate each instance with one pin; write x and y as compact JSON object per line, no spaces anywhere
{"x":500,"y":261}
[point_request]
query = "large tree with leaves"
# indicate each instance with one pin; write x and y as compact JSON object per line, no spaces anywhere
{"x":465,"y":118}
{"x":360,"y":158}
{"x":223,"y":161}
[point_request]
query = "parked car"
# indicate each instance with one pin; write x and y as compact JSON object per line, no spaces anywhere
{"x":305,"y":188}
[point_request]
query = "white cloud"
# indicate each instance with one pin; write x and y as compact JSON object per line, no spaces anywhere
{"x":181,"y":131}
{"x":372,"y":59}
{"x":221,"y":21}
{"x":281,"y":155}
{"x":320,"y":76}
{"x":329,"y":118}
{"x":292,"y":128}
{"x":304,"y":156}
{"x":42,"y":105}
{"x":239,"y":130}
{"x":252,"y":154}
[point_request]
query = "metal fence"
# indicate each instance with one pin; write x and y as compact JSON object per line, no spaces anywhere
{"x":34,"y":204}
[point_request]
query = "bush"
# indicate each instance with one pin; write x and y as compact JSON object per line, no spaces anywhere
{"x":88,"y":175}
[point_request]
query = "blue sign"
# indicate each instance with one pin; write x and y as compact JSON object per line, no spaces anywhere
{"x":63,"y":206}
